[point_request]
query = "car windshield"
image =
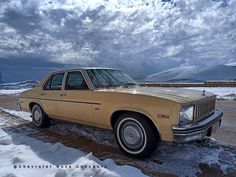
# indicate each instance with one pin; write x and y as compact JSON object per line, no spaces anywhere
{"x":104,"y":78}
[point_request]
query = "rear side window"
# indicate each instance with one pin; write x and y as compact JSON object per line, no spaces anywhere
{"x":75,"y":81}
{"x":55,"y":82}
{"x":47,"y":85}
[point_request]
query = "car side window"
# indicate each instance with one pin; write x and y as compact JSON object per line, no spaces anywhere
{"x":55,"y":82}
{"x":75,"y":81}
{"x":48,"y":83}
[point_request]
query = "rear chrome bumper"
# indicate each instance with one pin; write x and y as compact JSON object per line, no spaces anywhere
{"x":198,"y":130}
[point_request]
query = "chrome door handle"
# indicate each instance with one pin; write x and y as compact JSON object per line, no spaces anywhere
{"x":62,"y":94}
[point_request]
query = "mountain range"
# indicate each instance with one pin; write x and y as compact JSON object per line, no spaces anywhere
{"x":194,"y":74}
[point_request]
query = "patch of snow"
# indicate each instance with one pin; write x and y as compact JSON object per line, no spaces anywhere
{"x":20,"y":114}
{"x":183,"y":159}
{"x":11,"y":92}
{"x":18,"y":151}
{"x":228,"y":93}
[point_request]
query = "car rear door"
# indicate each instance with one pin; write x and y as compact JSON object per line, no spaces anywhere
{"x":50,"y":94}
{"x":76,"y":101}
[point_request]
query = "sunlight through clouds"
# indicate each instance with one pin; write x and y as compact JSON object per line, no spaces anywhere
{"x":147,"y":35}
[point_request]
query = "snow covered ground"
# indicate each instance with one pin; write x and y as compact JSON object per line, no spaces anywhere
{"x":20,"y":114}
{"x":15,"y":88}
{"x":24,"y":156}
{"x":228,"y":93}
{"x":19,"y":149}
{"x":11,"y":91}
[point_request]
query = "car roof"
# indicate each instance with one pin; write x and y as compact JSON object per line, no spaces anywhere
{"x":71,"y":69}
{"x":81,"y":68}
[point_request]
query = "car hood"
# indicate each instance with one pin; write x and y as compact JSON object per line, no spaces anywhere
{"x":174,"y":94}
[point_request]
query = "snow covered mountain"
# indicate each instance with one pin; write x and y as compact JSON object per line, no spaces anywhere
{"x":19,"y":85}
{"x":194,"y":74}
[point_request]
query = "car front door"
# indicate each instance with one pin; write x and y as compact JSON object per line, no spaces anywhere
{"x":76,"y":99}
{"x":50,"y":94}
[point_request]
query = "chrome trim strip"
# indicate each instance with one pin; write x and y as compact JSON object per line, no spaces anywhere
{"x":65,"y":101}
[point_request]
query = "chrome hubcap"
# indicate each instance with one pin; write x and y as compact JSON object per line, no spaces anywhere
{"x":37,"y":116}
{"x":132,"y":135}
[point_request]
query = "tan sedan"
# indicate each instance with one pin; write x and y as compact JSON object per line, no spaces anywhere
{"x":139,"y":116}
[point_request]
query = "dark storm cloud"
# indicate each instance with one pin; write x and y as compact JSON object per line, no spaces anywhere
{"x":22,"y":22}
{"x":29,"y":61}
{"x":26,"y":68}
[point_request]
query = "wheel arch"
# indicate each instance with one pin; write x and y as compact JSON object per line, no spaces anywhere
{"x":32,"y":103}
{"x":115,"y":115}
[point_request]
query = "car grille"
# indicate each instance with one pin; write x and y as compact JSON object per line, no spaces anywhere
{"x":204,"y":108}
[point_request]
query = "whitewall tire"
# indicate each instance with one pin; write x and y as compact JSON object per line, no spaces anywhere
{"x":135,"y":135}
{"x":39,"y":118}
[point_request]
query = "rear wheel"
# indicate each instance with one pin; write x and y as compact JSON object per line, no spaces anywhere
{"x":135,"y":135}
{"x":39,"y":117}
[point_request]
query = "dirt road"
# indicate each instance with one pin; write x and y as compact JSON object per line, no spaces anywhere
{"x":203,"y":158}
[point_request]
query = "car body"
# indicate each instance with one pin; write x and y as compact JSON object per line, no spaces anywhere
{"x":139,"y":116}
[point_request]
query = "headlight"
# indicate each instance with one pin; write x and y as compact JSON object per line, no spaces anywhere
{"x":186,"y":114}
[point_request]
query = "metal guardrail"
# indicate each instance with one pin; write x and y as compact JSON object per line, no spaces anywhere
{"x":203,"y":84}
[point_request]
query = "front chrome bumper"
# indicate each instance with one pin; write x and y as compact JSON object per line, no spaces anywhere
{"x":198,"y":130}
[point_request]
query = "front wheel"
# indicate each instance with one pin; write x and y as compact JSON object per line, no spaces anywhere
{"x":39,"y":118}
{"x":135,"y":135}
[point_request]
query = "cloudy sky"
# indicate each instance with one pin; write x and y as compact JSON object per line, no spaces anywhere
{"x":141,"y":37}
